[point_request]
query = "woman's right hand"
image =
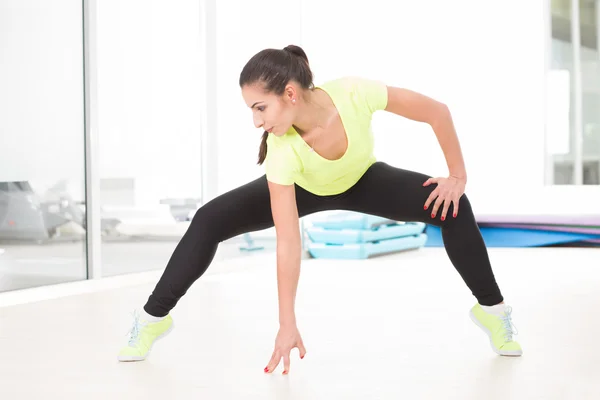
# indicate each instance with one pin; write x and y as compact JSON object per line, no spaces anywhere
{"x":287,"y":338}
{"x":289,"y":255}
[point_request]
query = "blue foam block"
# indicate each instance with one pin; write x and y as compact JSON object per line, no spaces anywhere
{"x":343,"y":236}
{"x":366,"y":250}
{"x":513,"y":237}
{"x":350,"y":220}
{"x":250,"y":245}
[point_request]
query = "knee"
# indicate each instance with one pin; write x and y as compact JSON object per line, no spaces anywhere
{"x":464,"y":213}
{"x":464,"y":207}
{"x":199,"y":218}
{"x":213,"y":224}
{"x":203,"y":224}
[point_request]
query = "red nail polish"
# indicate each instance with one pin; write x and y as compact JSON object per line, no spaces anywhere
{"x":454,"y":215}
{"x":424,"y":207}
{"x":284,"y":372}
{"x":266,"y":369}
{"x":301,"y":357}
{"x":443,"y":218}
{"x":432,"y":215}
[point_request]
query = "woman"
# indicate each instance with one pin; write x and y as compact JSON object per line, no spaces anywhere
{"x":317,"y":148}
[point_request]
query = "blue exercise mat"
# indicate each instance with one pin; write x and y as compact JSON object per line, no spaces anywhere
{"x":513,"y":237}
{"x":366,"y":250}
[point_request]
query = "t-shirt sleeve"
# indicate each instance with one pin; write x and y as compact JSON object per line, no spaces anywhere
{"x":372,"y":94}
{"x":281,"y":164}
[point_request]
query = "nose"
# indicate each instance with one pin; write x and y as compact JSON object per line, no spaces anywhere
{"x":258,"y":122}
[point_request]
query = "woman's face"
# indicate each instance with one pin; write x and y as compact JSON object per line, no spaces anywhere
{"x":273,"y":113}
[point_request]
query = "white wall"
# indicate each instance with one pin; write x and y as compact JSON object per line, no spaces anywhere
{"x":485,"y":60}
{"x":489,"y":69}
{"x":41,"y":92}
{"x":243,"y":29}
{"x":149,"y":96}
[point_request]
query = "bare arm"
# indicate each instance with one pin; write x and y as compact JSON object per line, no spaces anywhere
{"x":418,"y":107}
{"x":285,"y":216}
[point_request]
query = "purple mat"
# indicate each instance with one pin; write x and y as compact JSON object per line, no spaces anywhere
{"x":554,"y":228}
{"x":593,"y":219}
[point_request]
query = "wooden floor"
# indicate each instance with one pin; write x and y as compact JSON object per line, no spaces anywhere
{"x":393,"y":327}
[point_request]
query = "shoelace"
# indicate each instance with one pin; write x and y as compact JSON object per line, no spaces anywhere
{"x":509,"y":328}
{"x":134,"y":332}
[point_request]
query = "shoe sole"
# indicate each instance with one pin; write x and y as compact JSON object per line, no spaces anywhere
{"x":506,"y":353}
{"x":142,"y":358}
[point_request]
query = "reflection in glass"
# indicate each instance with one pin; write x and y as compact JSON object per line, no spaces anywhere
{"x":562,"y":100}
{"x":42,"y":196}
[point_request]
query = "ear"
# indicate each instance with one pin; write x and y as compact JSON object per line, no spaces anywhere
{"x":291,"y":93}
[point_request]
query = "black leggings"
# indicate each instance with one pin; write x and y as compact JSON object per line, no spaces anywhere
{"x":383,"y":190}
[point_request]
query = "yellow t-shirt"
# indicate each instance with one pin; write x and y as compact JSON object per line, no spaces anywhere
{"x":289,"y":159}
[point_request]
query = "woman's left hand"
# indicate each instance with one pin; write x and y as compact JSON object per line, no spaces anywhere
{"x":448,"y":191}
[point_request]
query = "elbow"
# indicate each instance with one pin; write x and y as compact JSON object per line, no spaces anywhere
{"x":288,"y":244}
{"x":440,"y":115}
{"x":443,"y":109}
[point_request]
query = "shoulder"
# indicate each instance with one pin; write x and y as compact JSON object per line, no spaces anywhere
{"x":352,"y":84}
{"x":369,"y":93}
{"x":282,"y":162}
{"x":281,"y":148}
{"x":280,"y":143}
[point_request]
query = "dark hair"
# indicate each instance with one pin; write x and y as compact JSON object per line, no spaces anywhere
{"x":274,"y":69}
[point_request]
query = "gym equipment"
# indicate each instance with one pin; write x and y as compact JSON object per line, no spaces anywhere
{"x":531,"y":230}
{"x":250,"y":245}
{"x":367,"y":249}
{"x":350,"y":235}
{"x":350,"y":220}
{"x":558,"y":220}
{"x":517,"y":237}
{"x":381,"y":232}
{"x":182,"y":208}
{"x":541,"y":230}
{"x":25,"y":215}
{"x":592,"y":230}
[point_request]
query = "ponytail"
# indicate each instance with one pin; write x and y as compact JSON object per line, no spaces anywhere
{"x":297,"y":51}
{"x":262,"y":151}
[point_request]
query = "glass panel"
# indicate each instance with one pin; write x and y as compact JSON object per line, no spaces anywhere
{"x":42,"y":169}
{"x":560,"y":116}
{"x":149,"y":99}
{"x":590,"y":80}
{"x":561,"y":121}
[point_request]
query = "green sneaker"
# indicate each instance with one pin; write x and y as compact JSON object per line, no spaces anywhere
{"x":500,"y":330}
{"x":142,"y":336}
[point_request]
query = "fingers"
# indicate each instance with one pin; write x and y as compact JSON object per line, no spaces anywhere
{"x":431,"y":198}
{"x":444,"y":195}
{"x":455,"y":204}
{"x":286,"y":363}
{"x":279,"y":354}
{"x":447,"y":203}
{"x":436,"y":206}
{"x":430,"y":181}
{"x":273,"y":362}
{"x":302,"y":350}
